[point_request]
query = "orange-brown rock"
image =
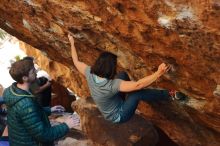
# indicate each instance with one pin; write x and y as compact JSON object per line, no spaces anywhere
{"x":61,"y":96}
{"x":183,"y":33}
{"x":137,"y":131}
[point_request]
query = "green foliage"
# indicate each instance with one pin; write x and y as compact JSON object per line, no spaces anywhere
{"x":17,"y":57}
{"x":2,"y":34}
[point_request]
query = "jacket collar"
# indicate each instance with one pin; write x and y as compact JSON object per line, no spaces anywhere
{"x":19,"y":92}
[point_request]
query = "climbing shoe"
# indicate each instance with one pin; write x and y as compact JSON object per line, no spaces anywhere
{"x":177,"y":95}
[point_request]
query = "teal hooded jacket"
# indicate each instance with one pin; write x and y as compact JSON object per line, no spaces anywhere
{"x":28,"y":123}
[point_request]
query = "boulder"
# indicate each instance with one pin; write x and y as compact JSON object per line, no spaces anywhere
{"x":137,"y":131}
{"x":143,"y":34}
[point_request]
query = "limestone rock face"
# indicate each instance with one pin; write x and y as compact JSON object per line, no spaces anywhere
{"x":183,"y":33}
{"x":61,"y":96}
{"x":135,"y":132}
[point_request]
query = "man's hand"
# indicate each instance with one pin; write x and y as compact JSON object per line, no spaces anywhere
{"x":163,"y":68}
{"x":70,"y":122}
{"x":57,"y":108}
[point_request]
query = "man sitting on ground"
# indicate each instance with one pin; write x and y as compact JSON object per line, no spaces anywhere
{"x":28,"y":123}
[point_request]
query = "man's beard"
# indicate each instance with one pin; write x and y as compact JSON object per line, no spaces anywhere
{"x":30,"y":81}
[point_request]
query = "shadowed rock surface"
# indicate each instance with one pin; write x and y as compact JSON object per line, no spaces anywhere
{"x":136,"y":131}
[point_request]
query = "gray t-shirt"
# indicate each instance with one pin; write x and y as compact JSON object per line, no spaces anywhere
{"x":103,"y":95}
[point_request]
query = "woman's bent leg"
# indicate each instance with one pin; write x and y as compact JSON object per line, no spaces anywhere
{"x":128,"y":108}
{"x":149,"y":95}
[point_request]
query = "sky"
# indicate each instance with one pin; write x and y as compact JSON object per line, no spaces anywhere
{"x":8,"y":51}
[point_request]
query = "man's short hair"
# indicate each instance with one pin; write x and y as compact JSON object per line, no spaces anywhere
{"x":19,"y":69}
{"x":28,"y":58}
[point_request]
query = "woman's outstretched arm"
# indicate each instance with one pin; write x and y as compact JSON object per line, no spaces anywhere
{"x":81,"y":66}
{"x":128,"y":86}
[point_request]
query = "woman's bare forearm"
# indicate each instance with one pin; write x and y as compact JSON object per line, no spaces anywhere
{"x":74,"y":53}
{"x":148,"y":80}
{"x":81,"y":67}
